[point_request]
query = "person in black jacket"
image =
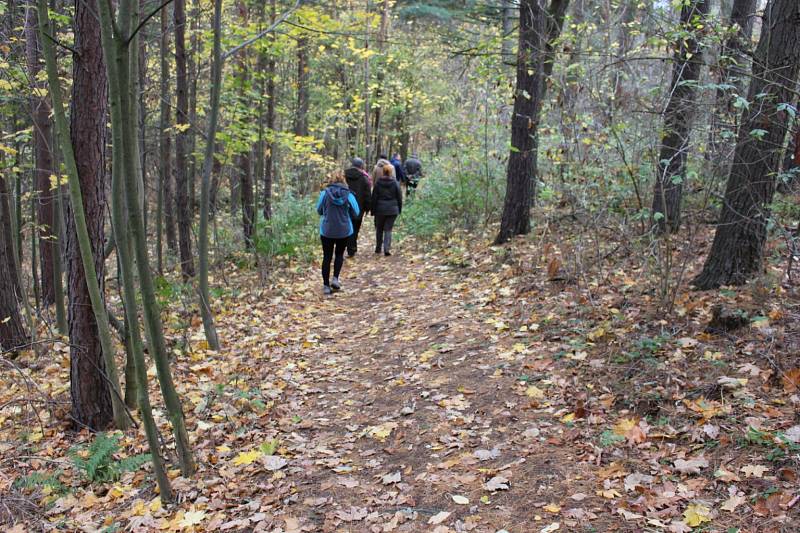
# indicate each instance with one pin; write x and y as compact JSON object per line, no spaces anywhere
{"x":359,"y":183}
{"x":387,"y":204}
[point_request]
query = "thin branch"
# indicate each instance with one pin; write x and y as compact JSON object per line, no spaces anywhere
{"x":259,"y":35}
{"x":60,"y":44}
{"x":146,"y":20}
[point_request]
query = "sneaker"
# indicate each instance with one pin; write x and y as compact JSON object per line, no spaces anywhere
{"x":326,"y":290}
{"x":335,"y":285}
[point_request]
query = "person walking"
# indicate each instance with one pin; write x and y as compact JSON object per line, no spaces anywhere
{"x":359,"y":183}
{"x":387,"y":204}
{"x":377,"y":172}
{"x":413,"y":170}
{"x":337,"y":206}
{"x":397,"y":163}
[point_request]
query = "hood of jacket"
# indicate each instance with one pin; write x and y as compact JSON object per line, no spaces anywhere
{"x":337,"y":193}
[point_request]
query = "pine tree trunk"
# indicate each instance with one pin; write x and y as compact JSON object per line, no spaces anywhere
{"x":737,"y":252}
{"x":91,"y":396}
{"x":671,"y":171}
{"x":181,"y":143}
{"x":43,"y":161}
{"x":12,"y":332}
{"x":81,"y":229}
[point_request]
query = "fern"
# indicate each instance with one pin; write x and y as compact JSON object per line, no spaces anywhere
{"x":41,"y":480}
{"x":100,"y":466}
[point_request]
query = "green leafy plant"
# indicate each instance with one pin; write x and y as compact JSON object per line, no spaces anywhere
{"x":98,"y":464}
{"x":42,"y":480}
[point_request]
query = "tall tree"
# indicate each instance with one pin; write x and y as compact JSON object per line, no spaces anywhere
{"x":91,"y":395}
{"x":539,"y":28}
{"x":270,"y":145}
{"x":688,"y":61}
{"x":44,"y":165}
{"x":12,"y":331}
{"x":165,"y":196}
{"x":243,"y":158}
{"x":738,"y":248}
{"x":181,"y":143}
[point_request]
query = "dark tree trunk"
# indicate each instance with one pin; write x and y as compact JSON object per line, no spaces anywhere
{"x":12,"y":332}
{"x":243,"y":159}
{"x":43,"y":161}
{"x":301,"y":113}
{"x":738,"y":249}
{"x":165,"y":141}
{"x":538,"y":30}
{"x":181,"y":144}
{"x":90,"y":392}
{"x":8,"y":226}
{"x":216,"y":172}
{"x":678,"y":115}
{"x":193,"y":75}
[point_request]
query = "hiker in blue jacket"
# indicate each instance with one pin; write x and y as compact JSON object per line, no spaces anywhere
{"x":338,"y":207}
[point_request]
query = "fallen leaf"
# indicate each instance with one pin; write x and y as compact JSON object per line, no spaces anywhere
{"x":692,"y":466}
{"x":438,"y":518}
{"x":496,"y":483}
{"x":460,"y":500}
{"x":246,"y":458}
{"x":753,"y":470}
{"x":732,"y":503}
{"x":191,"y":519}
{"x":696,"y":514}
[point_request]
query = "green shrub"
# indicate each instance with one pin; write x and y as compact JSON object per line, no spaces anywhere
{"x":100,"y":465}
{"x":292,"y":232}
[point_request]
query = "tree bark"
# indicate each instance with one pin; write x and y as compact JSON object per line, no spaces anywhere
{"x":43,"y":161}
{"x":243,"y":159}
{"x":181,"y":144}
{"x":738,"y":249}
{"x":12,"y":332}
{"x":269,"y":165}
{"x":165,"y":143}
{"x":91,"y":395}
{"x":538,"y":30}
{"x":671,"y":171}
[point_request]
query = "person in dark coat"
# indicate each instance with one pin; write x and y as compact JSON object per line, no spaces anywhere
{"x":397,"y":163}
{"x":337,"y":206}
{"x":413,"y":169}
{"x":359,"y":182}
{"x":387,"y":204}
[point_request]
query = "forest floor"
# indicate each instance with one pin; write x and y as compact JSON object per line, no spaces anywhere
{"x":453,"y":389}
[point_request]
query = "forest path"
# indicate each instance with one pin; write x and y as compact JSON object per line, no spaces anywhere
{"x":403,"y":396}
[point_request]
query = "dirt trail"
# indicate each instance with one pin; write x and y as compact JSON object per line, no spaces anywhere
{"x":410,"y":404}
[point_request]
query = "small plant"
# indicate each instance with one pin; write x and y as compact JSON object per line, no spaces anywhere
{"x":609,"y":439}
{"x":46,"y":481}
{"x":98,"y":464}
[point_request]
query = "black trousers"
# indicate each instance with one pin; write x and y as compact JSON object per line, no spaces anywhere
{"x":383,"y":232}
{"x":352,"y":244}
{"x":329,"y":246}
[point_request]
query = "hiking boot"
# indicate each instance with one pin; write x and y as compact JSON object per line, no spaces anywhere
{"x":387,"y":254}
{"x":335,"y":285}
{"x":377,"y":249}
{"x":326,"y":290}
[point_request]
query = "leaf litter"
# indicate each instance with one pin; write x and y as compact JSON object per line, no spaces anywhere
{"x":424,"y":401}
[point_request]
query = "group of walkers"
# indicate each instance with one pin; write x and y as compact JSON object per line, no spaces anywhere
{"x":346,"y":199}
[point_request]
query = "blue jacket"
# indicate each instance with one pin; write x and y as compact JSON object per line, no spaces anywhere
{"x":338,"y":206}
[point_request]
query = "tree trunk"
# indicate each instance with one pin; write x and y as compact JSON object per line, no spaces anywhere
{"x":205,"y":188}
{"x":269,"y":165}
{"x":538,"y":30}
{"x":165,"y":145}
{"x":43,"y":161}
{"x":194,"y":14}
{"x":507,"y":42}
{"x":12,"y":332}
{"x":81,"y":229}
{"x":243,"y":159}
{"x":738,"y":248}
{"x":91,"y":395}
{"x":671,"y":171}
{"x":181,"y":143}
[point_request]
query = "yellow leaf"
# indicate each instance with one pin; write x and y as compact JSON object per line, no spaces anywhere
{"x":696,"y":514}
{"x":246,"y":458}
{"x":535,"y":392}
{"x":382,"y":431}
{"x":552,"y":508}
{"x":568,"y":418}
{"x":116,"y":492}
{"x":622,"y":427}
